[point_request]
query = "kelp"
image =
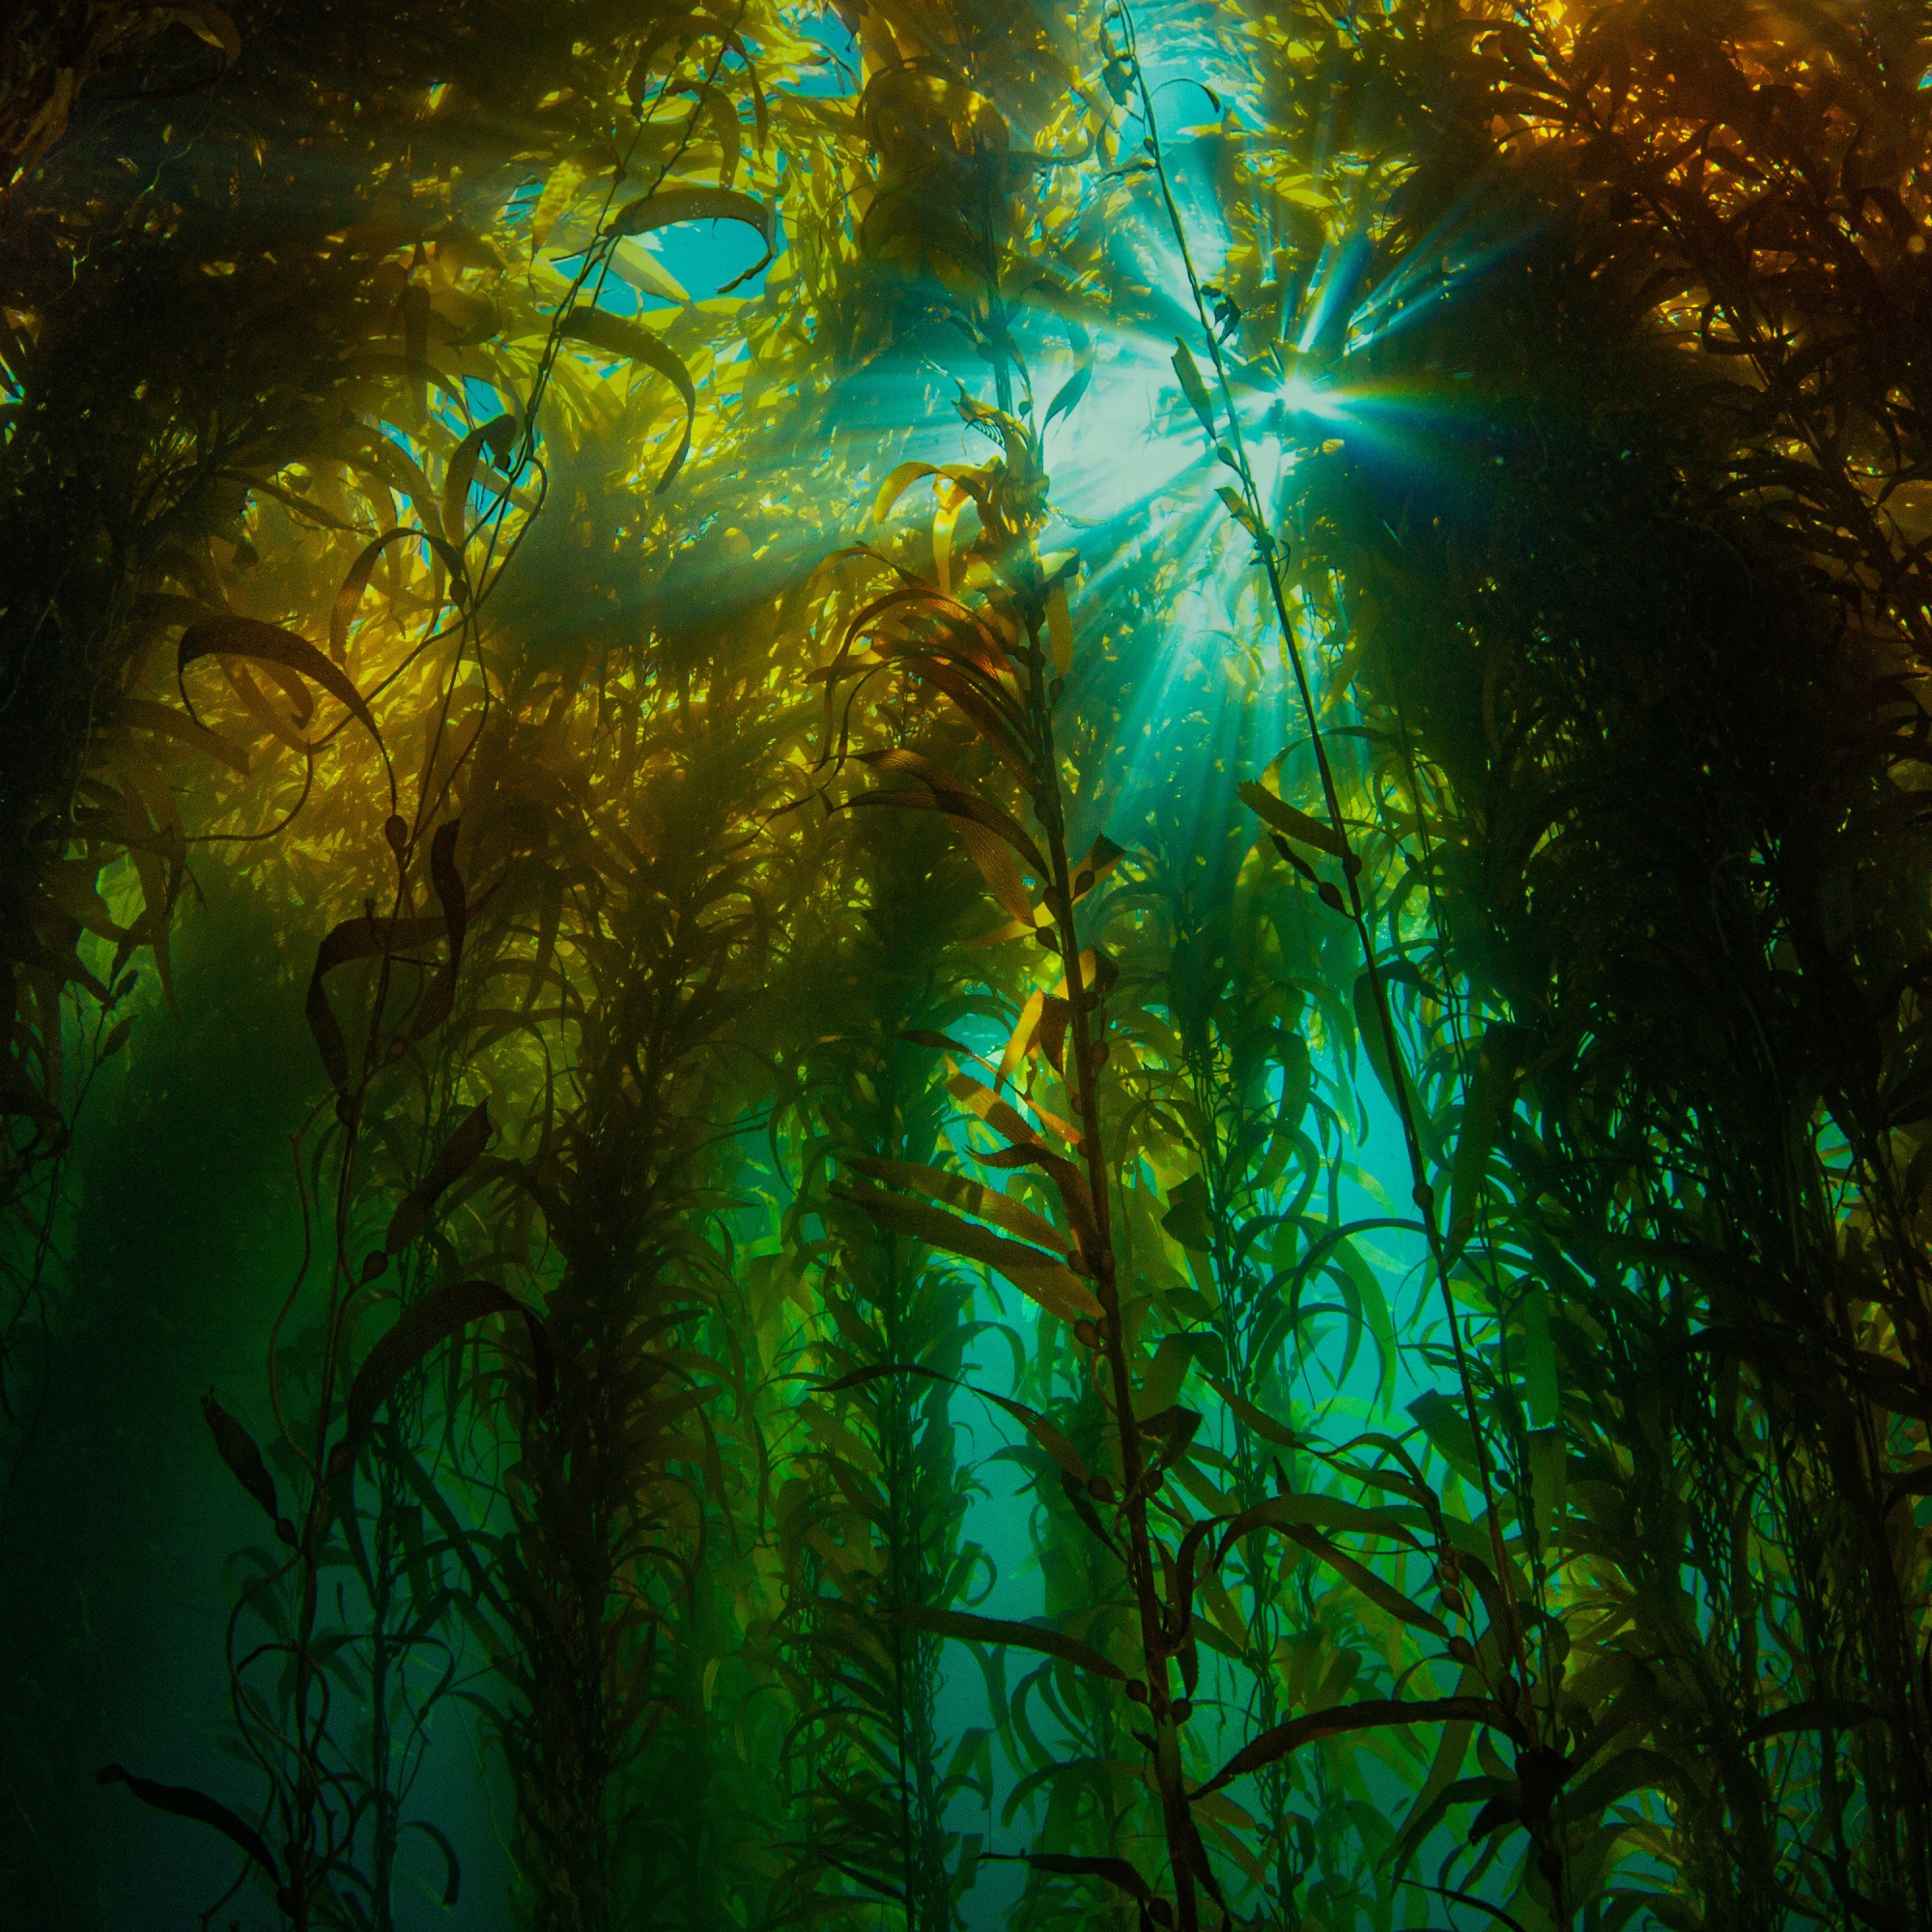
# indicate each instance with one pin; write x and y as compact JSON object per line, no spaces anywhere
{"x":1662,"y":1026}
{"x":870,"y":1502}
{"x":615,"y":1460}
{"x":830,"y":986}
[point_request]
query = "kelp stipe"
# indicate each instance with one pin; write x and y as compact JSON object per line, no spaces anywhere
{"x":870,"y":1522}
{"x":1222,"y":964}
{"x":1661,"y":1227}
{"x":1641,"y":1233}
{"x":324,"y":1793}
{"x":327,"y":1792}
{"x":989,"y":658}
{"x":323,"y":1790}
{"x":1498,"y":1662}
{"x":652,"y":896}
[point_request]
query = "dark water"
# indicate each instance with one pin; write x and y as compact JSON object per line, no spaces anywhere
{"x":121,"y":1525}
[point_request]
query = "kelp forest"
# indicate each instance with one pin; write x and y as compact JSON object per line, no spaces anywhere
{"x":966,"y":967}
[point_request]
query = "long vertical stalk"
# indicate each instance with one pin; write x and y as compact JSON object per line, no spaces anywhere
{"x":1012,"y":527}
{"x":1353,"y":905}
{"x":1087,"y":1027}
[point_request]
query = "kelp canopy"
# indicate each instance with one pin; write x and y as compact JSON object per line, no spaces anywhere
{"x":966,"y":965}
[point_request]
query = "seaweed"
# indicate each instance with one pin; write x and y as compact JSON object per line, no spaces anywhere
{"x":1080,"y":855}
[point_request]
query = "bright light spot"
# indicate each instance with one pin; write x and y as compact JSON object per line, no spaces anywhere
{"x":1128,"y":441}
{"x":1304,"y":398}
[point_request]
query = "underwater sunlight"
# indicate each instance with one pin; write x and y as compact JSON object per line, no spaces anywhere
{"x":966,"y":966}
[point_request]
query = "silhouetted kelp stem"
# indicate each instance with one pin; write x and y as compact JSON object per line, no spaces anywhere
{"x":1796,"y":978}
{"x":670,"y":896}
{"x":1235,"y":1139}
{"x":895,"y":1344}
{"x":323,"y":1797}
{"x":317,"y":1793}
{"x":1007,"y":691}
{"x":1618,"y":636}
{"x":319,"y":1796}
{"x":1011,"y":494}
{"x":1257,"y":521}
{"x":1087,"y":1027}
